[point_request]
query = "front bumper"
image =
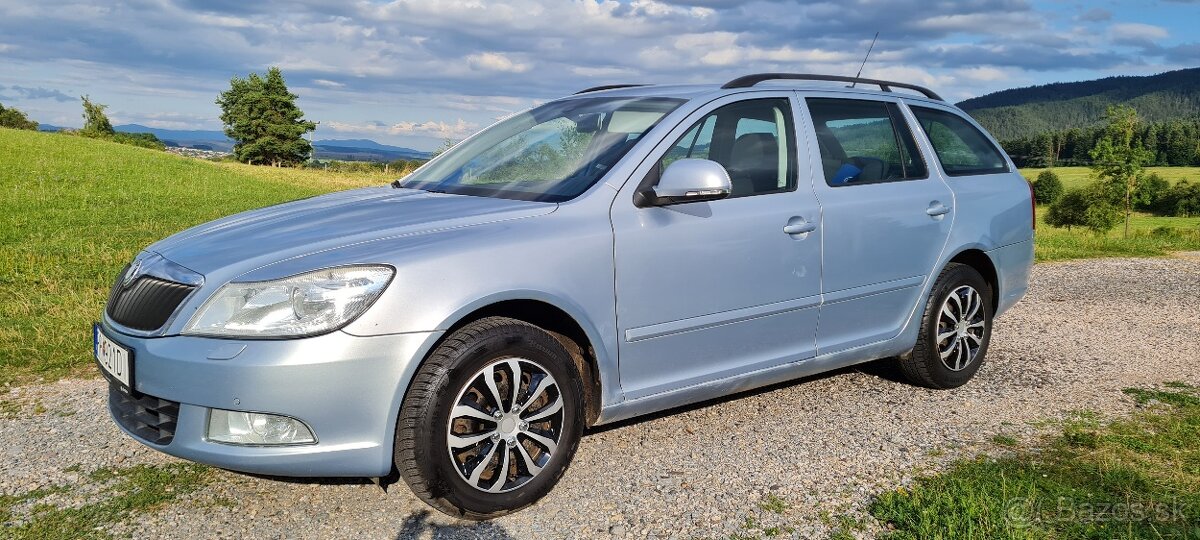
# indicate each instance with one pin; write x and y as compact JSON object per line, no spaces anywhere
{"x":347,"y":388}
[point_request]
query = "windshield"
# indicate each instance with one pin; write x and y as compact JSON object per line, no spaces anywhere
{"x":551,"y":153}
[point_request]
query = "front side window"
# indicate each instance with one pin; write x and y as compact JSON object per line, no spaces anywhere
{"x":552,"y":153}
{"x":961,"y":148}
{"x":751,"y":139}
{"x":864,"y":142}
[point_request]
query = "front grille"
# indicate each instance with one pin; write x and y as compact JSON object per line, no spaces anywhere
{"x":148,"y":417}
{"x":147,"y":303}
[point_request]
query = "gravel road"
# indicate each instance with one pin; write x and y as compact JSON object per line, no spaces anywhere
{"x":822,"y":445}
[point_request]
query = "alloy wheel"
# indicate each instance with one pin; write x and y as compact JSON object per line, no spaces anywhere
{"x":505,"y":425}
{"x":960,"y":328}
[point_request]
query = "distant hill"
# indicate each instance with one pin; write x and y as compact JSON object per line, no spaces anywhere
{"x":1022,"y":112}
{"x":364,"y":150}
{"x":164,"y":134}
{"x":345,"y":149}
{"x":187,"y":138}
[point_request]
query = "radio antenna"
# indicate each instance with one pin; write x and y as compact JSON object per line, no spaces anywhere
{"x":864,"y":62}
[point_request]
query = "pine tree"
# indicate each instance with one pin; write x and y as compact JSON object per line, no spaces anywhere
{"x":261,"y":116}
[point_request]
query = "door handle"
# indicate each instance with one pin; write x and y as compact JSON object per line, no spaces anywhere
{"x":802,"y":227}
{"x":937,"y":209}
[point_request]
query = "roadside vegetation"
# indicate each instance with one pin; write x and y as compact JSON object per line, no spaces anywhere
{"x":74,"y":210}
{"x":1150,"y":235}
{"x":13,"y":118}
{"x":1120,"y":191}
{"x":104,"y":499}
{"x":1137,"y":477}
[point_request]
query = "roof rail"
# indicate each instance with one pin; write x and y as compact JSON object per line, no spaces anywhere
{"x":606,"y":87}
{"x":751,"y":80}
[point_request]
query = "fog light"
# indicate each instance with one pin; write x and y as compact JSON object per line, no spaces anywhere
{"x":255,"y":429}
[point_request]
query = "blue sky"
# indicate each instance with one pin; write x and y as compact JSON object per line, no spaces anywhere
{"x":415,"y":72}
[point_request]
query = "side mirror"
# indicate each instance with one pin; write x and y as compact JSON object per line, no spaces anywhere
{"x":692,"y":180}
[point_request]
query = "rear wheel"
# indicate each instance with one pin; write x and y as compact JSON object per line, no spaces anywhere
{"x":491,"y":421}
{"x":955,"y":330}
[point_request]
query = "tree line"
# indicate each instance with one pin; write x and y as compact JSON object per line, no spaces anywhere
{"x":1025,"y":112}
{"x":1172,"y":143}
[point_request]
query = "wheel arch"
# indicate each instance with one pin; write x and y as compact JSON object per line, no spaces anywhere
{"x":576,"y":334}
{"x":982,"y":263}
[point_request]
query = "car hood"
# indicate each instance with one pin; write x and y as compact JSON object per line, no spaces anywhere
{"x":259,"y":237}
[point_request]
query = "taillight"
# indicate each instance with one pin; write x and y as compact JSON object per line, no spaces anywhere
{"x":1032,"y":207}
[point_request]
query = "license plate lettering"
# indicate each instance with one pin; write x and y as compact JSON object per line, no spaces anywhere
{"x":113,"y":358}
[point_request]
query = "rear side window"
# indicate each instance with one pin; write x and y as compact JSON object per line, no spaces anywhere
{"x":962,"y":149}
{"x":864,"y":142}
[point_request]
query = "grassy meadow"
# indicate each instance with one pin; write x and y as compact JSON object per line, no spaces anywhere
{"x":73,"y":211}
{"x":1062,"y":244}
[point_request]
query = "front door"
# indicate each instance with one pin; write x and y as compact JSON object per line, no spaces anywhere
{"x":708,"y":290}
{"x":885,"y":219}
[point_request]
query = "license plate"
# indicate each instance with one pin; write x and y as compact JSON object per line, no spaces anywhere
{"x":115,"y":360}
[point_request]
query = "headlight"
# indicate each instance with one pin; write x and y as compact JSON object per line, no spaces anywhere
{"x":301,"y":305}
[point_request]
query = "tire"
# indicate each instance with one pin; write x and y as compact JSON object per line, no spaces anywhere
{"x":454,"y":463}
{"x":951,"y":361}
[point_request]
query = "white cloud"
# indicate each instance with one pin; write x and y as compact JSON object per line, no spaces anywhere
{"x":431,"y":128}
{"x":602,"y":72}
{"x":500,"y":104}
{"x":164,"y":120}
{"x":1136,"y":33}
{"x":491,"y":61}
{"x":983,"y":74}
{"x":454,"y":61}
{"x":224,"y":21}
{"x":981,"y":23}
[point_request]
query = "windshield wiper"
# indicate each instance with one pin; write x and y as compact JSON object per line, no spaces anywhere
{"x":398,"y":185}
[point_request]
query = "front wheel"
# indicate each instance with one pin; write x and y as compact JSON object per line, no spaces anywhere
{"x":955,"y":330}
{"x":491,"y":420}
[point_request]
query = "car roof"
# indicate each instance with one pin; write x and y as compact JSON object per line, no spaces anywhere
{"x":769,"y":81}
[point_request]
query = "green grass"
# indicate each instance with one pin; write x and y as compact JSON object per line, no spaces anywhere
{"x":122,"y":493}
{"x":1077,"y":177}
{"x":73,"y":211}
{"x":1001,"y":439}
{"x":1132,"y":478}
{"x":1054,"y":244}
{"x":772,"y":503}
{"x":1061,"y":244}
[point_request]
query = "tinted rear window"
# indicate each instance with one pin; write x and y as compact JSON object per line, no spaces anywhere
{"x":962,"y":149}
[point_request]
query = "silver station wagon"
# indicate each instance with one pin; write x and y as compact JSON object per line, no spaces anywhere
{"x":621,"y":251}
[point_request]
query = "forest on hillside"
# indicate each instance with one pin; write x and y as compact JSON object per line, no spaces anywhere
{"x":1172,"y":143}
{"x":1025,"y":112}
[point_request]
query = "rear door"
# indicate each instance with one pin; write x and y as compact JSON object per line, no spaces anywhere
{"x":885,"y":218}
{"x":992,"y":198}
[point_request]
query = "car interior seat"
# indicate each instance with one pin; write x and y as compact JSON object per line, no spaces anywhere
{"x":754,"y":164}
